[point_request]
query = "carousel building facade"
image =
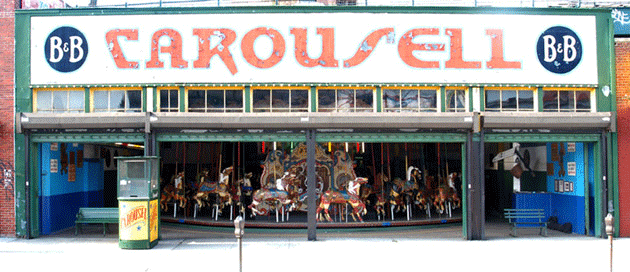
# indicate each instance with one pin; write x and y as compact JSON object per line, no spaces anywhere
{"x":482,"y":109}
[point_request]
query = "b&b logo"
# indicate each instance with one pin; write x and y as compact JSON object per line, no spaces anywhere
{"x":559,"y":50}
{"x":66,"y":49}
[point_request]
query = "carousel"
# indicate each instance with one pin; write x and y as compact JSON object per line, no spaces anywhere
{"x":358,"y":184}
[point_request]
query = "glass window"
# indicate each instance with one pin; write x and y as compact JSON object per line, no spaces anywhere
{"x":569,"y":100}
{"x":115,"y":100}
{"x":345,"y":100}
{"x":169,"y":100}
{"x":509,"y":99}
{"x":280,"y":100}
{"x":409,"y":100}
{"x":456,"y":100}
{"x":215,"y":100}
{"x":62,"y":100}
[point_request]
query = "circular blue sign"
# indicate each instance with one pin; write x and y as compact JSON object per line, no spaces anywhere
{"x":66,"y":49}
{"x":559,"y":49}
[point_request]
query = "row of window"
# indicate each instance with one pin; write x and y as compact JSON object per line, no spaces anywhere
{"x":427,"y":99}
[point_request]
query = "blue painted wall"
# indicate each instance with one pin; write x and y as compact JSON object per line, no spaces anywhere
{"x":60,"y":199}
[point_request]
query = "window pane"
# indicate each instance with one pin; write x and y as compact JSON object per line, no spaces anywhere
{"x":196,"y":100}
{"x":345,"y":100}
{"x":365,"y":100}
{"x":135,"y":100}
{"x":44,"y":101}
{"x":299,"y":100}
{"x":215,"y":100}
{"x":550,"y":101}
{"x":409,"y":99}
{"x":174,"y":100}
{"x":77,"y":101}
{"x":280,"y":99}
{"x":428,"y":99}
{"x":391,"y":100}
{"x":262,"y":100}
{"x":117,"y":99}
{"x":493,"y":102}
{"x":566,"y":100}
{"x":234,"y":99}
{"x":526,"y":99}
{"x":508,"y":100}
{"x":455,"y":100}
{"x":100,"y":100}
{"x":60,"y":101}
{"x":164,"y":99}
{"x":325,"y":100}
{"x":583,"y":100}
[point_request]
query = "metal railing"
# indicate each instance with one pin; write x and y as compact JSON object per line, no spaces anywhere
{"x":420,"y":3}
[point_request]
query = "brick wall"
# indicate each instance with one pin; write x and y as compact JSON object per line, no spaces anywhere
{"x":622,"y":50}
{"x":7,"y":27}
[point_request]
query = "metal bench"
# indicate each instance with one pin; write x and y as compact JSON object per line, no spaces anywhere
{"x":96,"y":215}
{"x":526,"y":218}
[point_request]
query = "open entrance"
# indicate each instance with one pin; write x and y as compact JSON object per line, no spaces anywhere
{"x":359,"y":184}
{"x":557,"y":177}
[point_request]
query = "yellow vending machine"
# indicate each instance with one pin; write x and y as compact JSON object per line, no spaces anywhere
{"x":138,"y":193}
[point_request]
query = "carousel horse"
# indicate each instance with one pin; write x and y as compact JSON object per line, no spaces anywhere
{"x":377,"y":188}
{"x":218,"y":189}
{"x":379,"y":206}
{"x":166,"y":196}
{"x":284,"y":194}
{"x":179,"y":194}
{"x":350,"y":196}
{"x":245,"y":186}
{"x":447,"y":193}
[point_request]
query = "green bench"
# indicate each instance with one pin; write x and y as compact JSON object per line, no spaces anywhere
{"x":526,"y":218}
{"x":96,"y":215}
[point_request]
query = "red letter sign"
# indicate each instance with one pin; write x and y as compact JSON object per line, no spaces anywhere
{"x":457,"y":60}
{"x":326,"y":59}
{"x":368,"y":45}
{"x":205,"y":53}
{"x":114,"y":48}
{"x":174,"y":49}
{"x":497,"y":61}
{"x":406,"y":48}
{"x":247,"y":47}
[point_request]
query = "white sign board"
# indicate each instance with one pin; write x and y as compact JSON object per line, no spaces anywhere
{"x":314,"y":48}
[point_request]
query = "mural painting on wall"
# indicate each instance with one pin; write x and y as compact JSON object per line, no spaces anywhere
{"x":7,"y":179}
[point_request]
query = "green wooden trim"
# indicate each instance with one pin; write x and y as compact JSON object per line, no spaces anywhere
{"x":482,"y":98}
{"x":182,"y":99}
{"x":597,"y":213}
{"x":587,"y":215}
{"x":34,"y":186}
{"x":89,"y":138}
{"x":247,"y":101}
{"x":464,"y":195}
{"x":86,"y":94}
{"x":539,"y":138}
{"x":379,"y":99}
{"x":144,"y":99}
{"x":442,"y":99}
{"x":137,"y":244}
{"x":226,"y":137}
{"x":392,"y":137}
{"x":313,"y":9}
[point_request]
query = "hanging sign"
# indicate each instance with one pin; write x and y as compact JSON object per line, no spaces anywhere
{"x":54,"y":165}
{"x":571,"y":169}
{"x":311,"y":47}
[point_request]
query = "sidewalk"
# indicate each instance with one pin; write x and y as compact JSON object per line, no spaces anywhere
{"x":399,"y":249}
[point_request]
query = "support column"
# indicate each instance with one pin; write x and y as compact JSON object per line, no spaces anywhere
{"x":311,"y":185}
{"x":475,"y":190}
{"x":27,"y":185}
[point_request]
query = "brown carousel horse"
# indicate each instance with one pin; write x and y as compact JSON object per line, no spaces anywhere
{"x":402,"y":192}
{"x":376,"y":188}
{"x":350,"y":196}
{"x":174,"y":191}
{"x":447,"y":193}
{"x":219,"y":189}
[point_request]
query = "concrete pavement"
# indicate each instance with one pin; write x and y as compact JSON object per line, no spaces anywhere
{"x":393,"y":249}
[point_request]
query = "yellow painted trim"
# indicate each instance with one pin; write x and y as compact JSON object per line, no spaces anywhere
{"x":336,"y":88}
{"x":158,"y":98}
{"x":94,"y":89}
{"x":213,"y":88}
{"x":35,"y":90}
